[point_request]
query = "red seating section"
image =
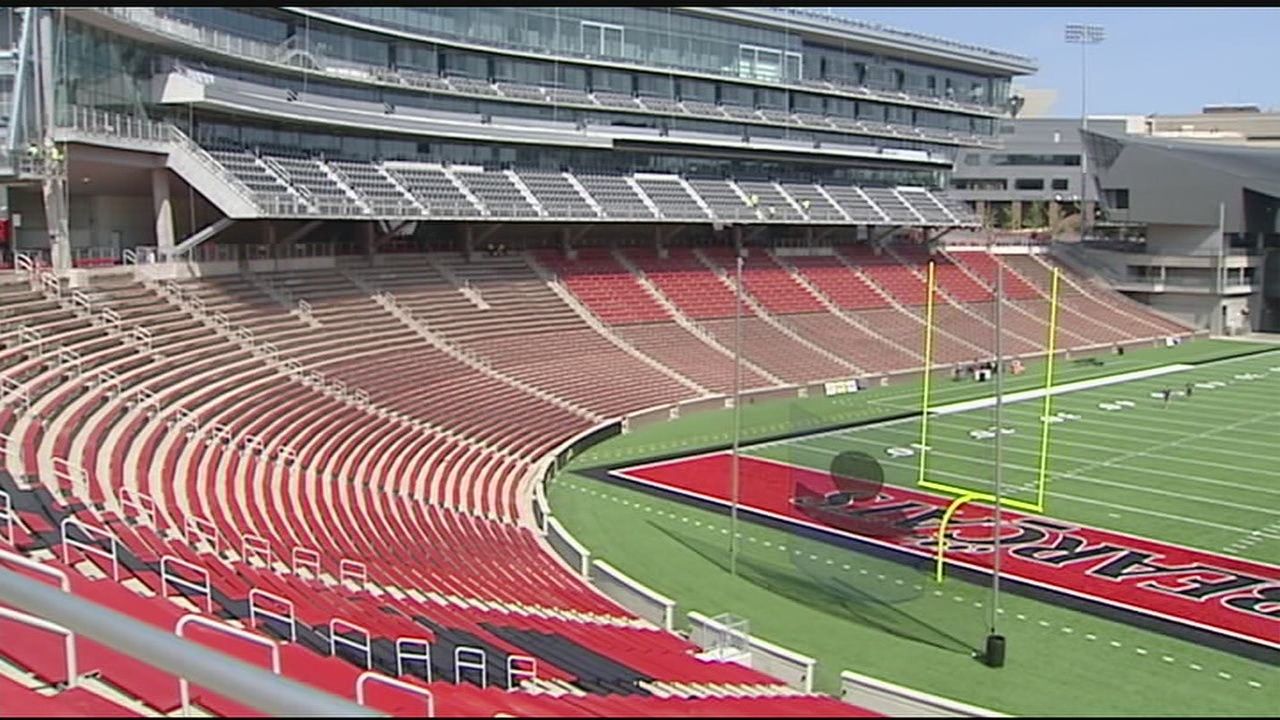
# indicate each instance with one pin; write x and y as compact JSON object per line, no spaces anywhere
{"x":422,"y":493}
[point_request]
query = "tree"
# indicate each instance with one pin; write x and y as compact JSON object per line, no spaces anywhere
{"x":1001,"y":216}
{"x":1034,"y":215}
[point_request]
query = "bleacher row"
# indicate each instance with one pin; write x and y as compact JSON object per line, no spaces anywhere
{"x":284,"y":176}
{"x":367,"y":462}
{"x":196,"y":449}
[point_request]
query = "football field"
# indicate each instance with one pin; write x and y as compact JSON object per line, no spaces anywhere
{"x":1200,"y":472}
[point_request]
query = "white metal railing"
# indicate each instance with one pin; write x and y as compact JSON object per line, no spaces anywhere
{"x":353,"y":570}
{"x":168,"y":578}
{"x":71,"y":476}
{"x":255,"y":547}
{"x":143,"y":505}
{"x":283,"y":613}
{"x":184,"y":687}
{"x":470,"y":658}
{"x":68,"y":643}
{"x":405,"y":651}
{"x":7,"y":516}
{"x":307,"y":558}
{"x":520,"y":666}
{"x":369,"y":676}
{"x":197,"y":530}
{"x":87,"y":546}
{"x":111,"y":320}
{"x":335,"y":639}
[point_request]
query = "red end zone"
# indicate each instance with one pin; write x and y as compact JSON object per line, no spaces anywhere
{"x":1198,"y":589}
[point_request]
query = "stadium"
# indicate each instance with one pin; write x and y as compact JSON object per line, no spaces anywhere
{"x":609,"y":361}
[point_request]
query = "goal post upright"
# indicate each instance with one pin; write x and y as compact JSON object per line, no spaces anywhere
{"x":928,"y":374}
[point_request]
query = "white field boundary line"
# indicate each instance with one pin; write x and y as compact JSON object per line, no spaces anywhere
{"x":892,"y":401}
{"x":981,"y":403}
{"x":1090,"y":384}
{"x":1086,"y":478}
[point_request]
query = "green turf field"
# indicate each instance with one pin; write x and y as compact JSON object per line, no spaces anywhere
{"x":1202,"y":472}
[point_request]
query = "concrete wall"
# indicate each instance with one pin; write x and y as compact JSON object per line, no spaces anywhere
{"x":1205,"y":311}
{"x":1183,"y":239}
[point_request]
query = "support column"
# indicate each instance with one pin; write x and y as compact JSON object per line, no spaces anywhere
{"x":468,"y":241}
{"x":1015,"y":214}
{"x":269,"y":238}
{"x":164,"y":211}
{"x":1055,"y":213}
{"x":980,"y":208}
{"x":367,"y":238}
{"x":55,"y":180}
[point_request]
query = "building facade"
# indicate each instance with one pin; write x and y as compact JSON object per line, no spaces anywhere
{"x":1211,"y":218}
{"x":753,"y":93}
{"x":1035,"y":179}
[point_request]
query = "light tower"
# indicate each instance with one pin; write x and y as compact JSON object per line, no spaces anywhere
{"x":1084,"y":35}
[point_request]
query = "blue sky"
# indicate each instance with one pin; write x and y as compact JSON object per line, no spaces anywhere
{"x":1154,"y":60}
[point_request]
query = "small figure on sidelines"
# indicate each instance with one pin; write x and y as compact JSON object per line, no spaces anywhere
{"x":1167,"y":392}
{"x":1189,"y":387}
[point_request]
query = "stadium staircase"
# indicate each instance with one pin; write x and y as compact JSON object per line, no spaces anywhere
{"x":769,"y":289}
{"x":898,"y":287}
{"x":1029,"y":325}
{"x":959,"y":302}
{"x":595,"y":323}
{"x":858,"y":341}
{"x":707,"y":359}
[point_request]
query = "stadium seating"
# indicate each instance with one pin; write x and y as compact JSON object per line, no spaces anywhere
{"x":343,"y":490}
{"x":357,"y":441}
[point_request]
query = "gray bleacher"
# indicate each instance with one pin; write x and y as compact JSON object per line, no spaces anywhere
{"x":433,"y":190}
{"x":305,"y":173}
{"x":820,"y":209}
{"x":662,"y":105}
{"x":897,"y":210}
{"x":567,"y":95}
{"x":697,"y":107}
{"x":523,"y":92}
{"x":812,"y":120}
{"x":721,"y":198}
{"x":859,"y":209}
{"x":242,"y":164}
{"x":778,"y":116}
{"x":928,"y":208}
{"x":472,"y":85}
{"x":772,"y":205}
{"x":612,"y":99}
{"x":373,"y":186}
{"x":738,"y":112}
{"x":497,"y":193}
{"x":673,"y":201}
{"x":556,"y":194}
{"x":612,"y":193}
{"x":961,"y":211}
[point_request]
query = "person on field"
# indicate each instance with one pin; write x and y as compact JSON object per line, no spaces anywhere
{"x":1167,"y":392}
{"x":1189,"y":387}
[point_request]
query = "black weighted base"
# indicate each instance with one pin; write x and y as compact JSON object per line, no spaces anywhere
{"x":995,"y":651}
